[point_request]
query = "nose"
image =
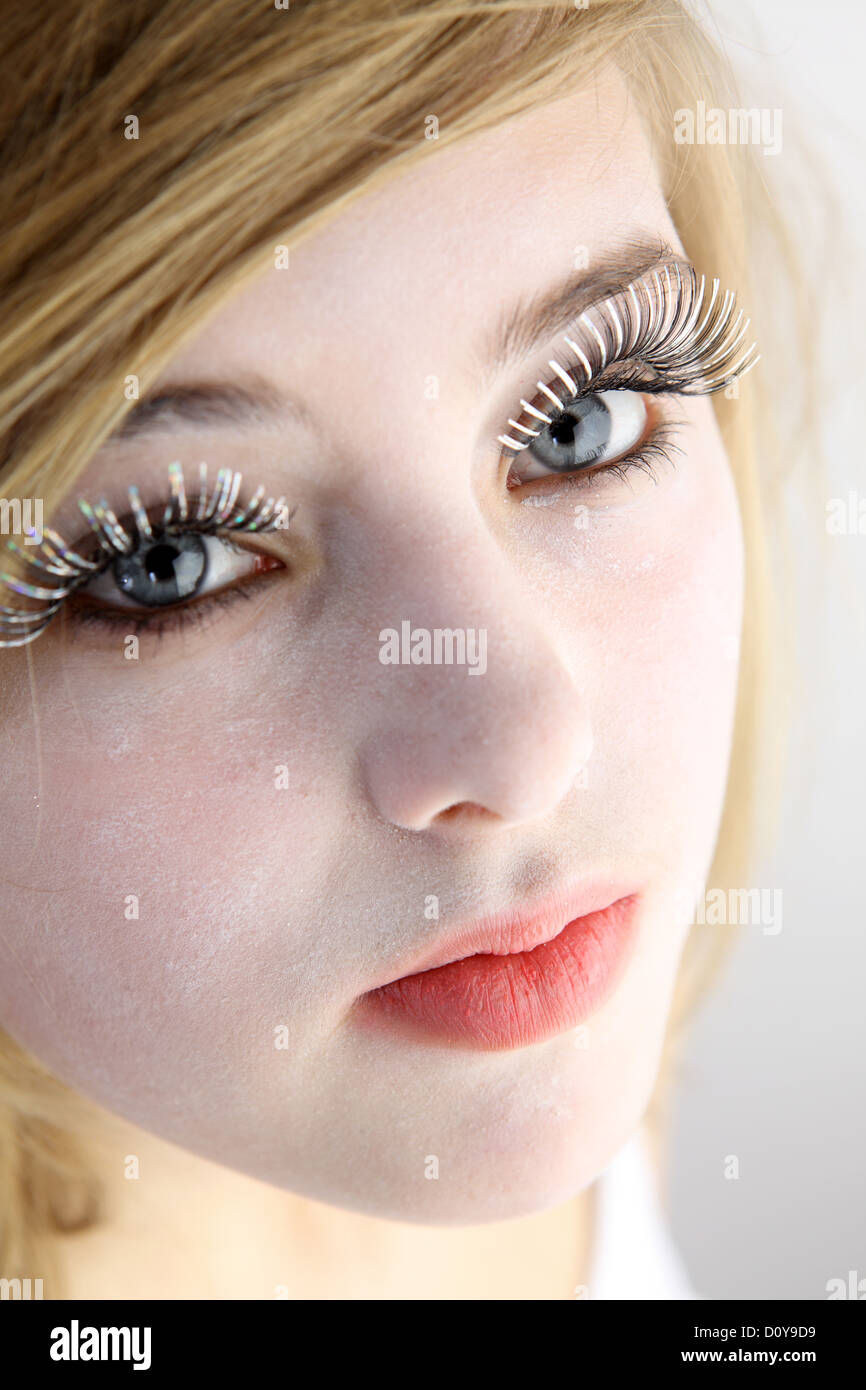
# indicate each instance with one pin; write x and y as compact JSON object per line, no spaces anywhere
{"x":456,"y":749}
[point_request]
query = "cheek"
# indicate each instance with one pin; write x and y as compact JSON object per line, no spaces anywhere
{"x":671,"y":713}
{"x":674,"y":616}
{"x":167,"y":882}
{"x":649,"y":590}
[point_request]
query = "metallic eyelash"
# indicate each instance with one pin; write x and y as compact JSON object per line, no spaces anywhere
{"x":204,"y":514}
{"x":659,"y":324}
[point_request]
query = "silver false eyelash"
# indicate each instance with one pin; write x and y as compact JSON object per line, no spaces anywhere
{"x":206,"y":513}
{"x":658,"y":320}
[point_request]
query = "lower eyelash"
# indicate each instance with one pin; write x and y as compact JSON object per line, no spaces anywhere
{"x":173,"y":618}
{"x":658,"y":446}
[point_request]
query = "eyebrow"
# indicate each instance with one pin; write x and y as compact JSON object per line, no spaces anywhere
{"x":245,"y":402}
{"x":251,"y":401}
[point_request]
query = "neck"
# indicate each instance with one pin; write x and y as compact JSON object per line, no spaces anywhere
{"x":177,"y":1226}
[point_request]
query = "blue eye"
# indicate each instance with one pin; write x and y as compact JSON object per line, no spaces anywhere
{"x":171,"y":568}
{"x":598,"y":428}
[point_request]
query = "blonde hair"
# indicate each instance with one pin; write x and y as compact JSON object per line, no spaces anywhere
{"x":255,"y":125}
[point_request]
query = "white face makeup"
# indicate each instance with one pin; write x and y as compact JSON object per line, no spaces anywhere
{"x":218,"y":846}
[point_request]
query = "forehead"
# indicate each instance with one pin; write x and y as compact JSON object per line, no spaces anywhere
{"x":488,"y":220}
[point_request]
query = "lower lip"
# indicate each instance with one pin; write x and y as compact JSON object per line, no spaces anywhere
{"x":492,"y":1003}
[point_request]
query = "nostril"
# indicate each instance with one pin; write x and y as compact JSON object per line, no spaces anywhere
{"x":465,"y":811}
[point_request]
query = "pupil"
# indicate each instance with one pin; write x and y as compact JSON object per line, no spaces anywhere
{"x":160,"y":562}
{"x":562,"y":431}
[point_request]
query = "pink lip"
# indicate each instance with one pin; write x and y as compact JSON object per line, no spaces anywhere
{"x":513,"y":979}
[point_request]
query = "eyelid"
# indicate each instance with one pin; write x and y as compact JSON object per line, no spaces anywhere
{"x":688,"y":344}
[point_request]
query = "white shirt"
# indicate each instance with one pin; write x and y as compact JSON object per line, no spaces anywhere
{"x":633,"y":1254}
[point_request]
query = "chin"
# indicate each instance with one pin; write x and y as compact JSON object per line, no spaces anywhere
{"x":515,"y":1140}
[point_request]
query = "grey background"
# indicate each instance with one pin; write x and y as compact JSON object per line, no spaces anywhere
{"x":775,"y":1066}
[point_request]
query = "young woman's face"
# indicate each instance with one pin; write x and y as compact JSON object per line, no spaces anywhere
{"x":218,"y":849}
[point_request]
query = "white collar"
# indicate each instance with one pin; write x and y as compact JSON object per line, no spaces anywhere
{"x":633,"y":1255}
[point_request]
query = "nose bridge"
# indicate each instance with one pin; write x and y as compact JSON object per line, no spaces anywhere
{"x":472,"y":702}
{"x":449,"y":594}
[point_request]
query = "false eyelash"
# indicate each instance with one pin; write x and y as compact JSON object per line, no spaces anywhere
{"x":658,"y":327}
{"x":204,"y":514}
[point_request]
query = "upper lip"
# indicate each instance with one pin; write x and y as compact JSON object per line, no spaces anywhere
{"x":511,"y":930}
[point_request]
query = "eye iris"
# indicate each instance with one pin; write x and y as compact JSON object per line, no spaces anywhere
{"x":162,"y":571}
{"x":577,"y":437}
